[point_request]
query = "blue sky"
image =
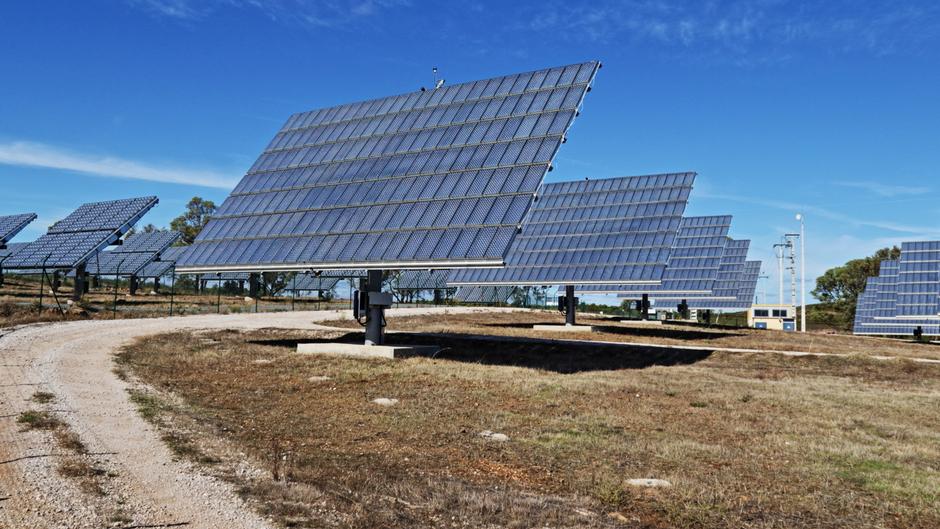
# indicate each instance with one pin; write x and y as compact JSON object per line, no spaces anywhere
{"x":831,"y":107}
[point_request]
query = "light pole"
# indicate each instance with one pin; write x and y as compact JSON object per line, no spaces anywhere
{"x":800,"y":217}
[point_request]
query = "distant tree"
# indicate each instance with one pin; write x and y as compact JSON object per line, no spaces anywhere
{"x":838,"y":288}
{"x":149,"y":228}
{"x":194,"y":219}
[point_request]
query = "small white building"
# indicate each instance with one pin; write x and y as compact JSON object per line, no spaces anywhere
{"x":774,"y":317}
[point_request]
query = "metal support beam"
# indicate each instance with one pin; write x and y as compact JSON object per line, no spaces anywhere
{"x":645,"y":307}
{"x":375,"y":315}
{"x":571,"y":305}
{"x":132,"y":285}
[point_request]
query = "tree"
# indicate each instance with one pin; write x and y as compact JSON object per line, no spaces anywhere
{"x":838,"y":288}
{"x":190,"y":223}
{"x":149,"y":228}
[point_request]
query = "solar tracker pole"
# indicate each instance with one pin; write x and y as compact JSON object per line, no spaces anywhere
{"x":570,"y":305}
{"x":218,"y":297}
{"x":375,"y":313}
{"x":172,"y":288}
{"x":293,"y":293}
{"x":79,"y":286}
{"x":117,"y":281}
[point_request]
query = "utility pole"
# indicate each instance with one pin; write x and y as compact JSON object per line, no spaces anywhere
{"x":780,"y":249}
{"x":792,"y":268}
{"x":802,"y":218}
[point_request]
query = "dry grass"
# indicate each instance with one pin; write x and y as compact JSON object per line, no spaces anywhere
{"x":747,"y":440}
{"x":19,"y":297}
{"x":519,"y":324}
{"x":76,"y":463}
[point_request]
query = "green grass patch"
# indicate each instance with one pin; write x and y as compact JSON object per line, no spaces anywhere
{"x":39,"y":420}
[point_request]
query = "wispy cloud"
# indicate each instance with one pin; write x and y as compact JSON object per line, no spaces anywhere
{"x":314,"y":13}
{"x":885,"y":190}
{"x":745,"y":30}
{"x":28,"y":154}
{"x":912,"y":231}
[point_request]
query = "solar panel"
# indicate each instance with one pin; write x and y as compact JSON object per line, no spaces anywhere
{"x":483,"y":294}
{"x":725,"y":290}
{"x":11,"y":249}
{"x":429,"y":179}
{"x":226,"y":276}
{"x":865,"y":307}
{"x":136,"y":252}
{"x":421,"y":280}
{"x":747,"y":284}
{"x":606,"y":231}
{"x":693,"y":263}
{"x":10,"y":225}
{"x":918,"y":286}
{"x":89,"y":229}
{"x":164,"y":265}
{"x":312,"y":282}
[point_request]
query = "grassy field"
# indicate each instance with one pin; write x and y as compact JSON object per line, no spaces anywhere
{"x":745,"y":440}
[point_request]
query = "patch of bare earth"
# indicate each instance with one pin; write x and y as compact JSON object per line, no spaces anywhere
{"x":745,"y":440}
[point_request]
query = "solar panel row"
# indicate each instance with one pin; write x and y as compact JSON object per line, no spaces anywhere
{"x":86,"y":231}
{"x":693,"y":261}
{"x":11,"y":225}
{"x":614,"y":230}
{"x":904,"y":296}
{"x":136,"y":252}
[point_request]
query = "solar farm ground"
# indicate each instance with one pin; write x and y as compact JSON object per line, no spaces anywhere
{"x":246,"y":433}
{"x":19,"y":298}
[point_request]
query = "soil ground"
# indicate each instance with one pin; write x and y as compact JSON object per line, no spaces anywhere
{"x":745,"y":439}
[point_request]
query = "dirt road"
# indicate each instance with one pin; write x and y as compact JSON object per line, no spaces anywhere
{"x":146,"y":486}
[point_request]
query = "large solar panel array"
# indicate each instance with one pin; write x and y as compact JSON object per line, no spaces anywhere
{"x":693,"y":264}
{"x":606,"y":231}
{"x":10,"y":225}
{"x":88,"y":230}
{"x":164,"y":264}
{"x":905,"y":295}
{"x":421,"y":280}
{"x":131,"y":257}
{"x":484,"y":294}
{"x":429,"y":179}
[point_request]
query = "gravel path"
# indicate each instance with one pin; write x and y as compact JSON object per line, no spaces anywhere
{"x":73,"y":360}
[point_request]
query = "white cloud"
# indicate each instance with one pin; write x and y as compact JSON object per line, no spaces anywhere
{"x":312,"y":13}
{"x":885,"y":190}
{"x":28,"y":154}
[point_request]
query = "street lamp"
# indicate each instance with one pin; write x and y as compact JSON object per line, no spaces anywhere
{"x":800,"y":217}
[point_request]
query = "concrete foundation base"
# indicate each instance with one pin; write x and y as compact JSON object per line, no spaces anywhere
{"x":641,"y":322}
{"x":564,"y":328}
{"x":366,"y":351}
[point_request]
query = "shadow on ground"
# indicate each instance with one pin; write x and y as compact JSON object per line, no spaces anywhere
{"x":559,"y":356}
{"x":652,"y":331}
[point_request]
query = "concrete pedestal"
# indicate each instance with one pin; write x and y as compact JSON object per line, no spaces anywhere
{"x":564,"y":328}
{"x":366,"y":351}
